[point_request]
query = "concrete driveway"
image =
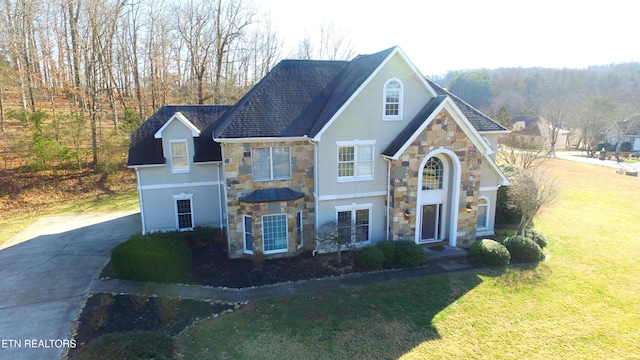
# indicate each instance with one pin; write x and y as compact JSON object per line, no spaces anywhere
{"x":45,"y":271}
{"x":575,"y":156}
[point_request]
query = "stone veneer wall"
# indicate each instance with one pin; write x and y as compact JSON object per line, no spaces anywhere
{"x":239,"y":180}
{"x":442,"y":132}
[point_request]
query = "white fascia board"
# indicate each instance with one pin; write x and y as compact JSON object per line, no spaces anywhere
{"x":178,"y":115}
{"x":259,"y":139}
{"x":395,"y":51}
{"x":495,"y":132}
{"x":145,"y":166}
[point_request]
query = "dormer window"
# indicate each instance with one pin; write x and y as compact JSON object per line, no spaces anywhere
{"x":179,"y":156}
{"x":392,"y":100}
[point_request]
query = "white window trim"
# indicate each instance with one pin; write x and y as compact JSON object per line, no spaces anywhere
{"x":244,"y":233}
{"x":355,"y":144}
{"x":271,"y":164}
{"x":173,"y":169}
{"x":384,"y":101}
{"x":353,"y":207}
{"x":286,"y":239}
{"x":183,"y":196}
{"x":300,"y":218}
{"x":486,"y":215}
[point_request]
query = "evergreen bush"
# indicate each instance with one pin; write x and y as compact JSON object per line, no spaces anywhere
{"x":408,"y":253}
{"x":388,"y":248}
{"x":523,"y":248}
{"x":490,"y":252}
{"x":536,"y":236}
{"x":370,"y":257}
{"x":151,"y":258}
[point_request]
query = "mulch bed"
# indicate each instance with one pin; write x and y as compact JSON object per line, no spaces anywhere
{"x":106,"y":313}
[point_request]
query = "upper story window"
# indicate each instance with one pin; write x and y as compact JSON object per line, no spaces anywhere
{"x":179,"y":156}
{"x":432,"y":174}
{"x":392,"y":100}
{"x":355,"y":160}
{"x":271,"y":163}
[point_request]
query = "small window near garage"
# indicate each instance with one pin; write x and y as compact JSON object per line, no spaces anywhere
{"x":184,"y":211}
{"x":179,"y":156}
{"x":274,"y":233}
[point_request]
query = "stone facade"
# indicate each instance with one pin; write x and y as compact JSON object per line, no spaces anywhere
{"x":442,"y":133}
{"x":239,"y":182}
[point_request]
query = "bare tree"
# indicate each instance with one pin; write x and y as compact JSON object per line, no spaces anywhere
{"x":522,"y":151}
{"x":335,"y":43}
{"x":532,"y":191}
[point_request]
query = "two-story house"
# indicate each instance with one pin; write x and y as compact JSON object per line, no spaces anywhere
{"x":369,"y":143}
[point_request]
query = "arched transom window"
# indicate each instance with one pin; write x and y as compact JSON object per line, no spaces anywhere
{"x":432,"y":174}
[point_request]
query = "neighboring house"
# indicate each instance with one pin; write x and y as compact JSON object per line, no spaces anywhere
{"x":368,"y":143}
{"x":539,"y":128}
{"x":625,"y":131}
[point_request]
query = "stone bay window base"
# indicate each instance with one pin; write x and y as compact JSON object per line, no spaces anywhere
{"x":269,"y":222}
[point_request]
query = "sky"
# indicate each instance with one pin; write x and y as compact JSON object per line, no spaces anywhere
{"x":440,"y":36}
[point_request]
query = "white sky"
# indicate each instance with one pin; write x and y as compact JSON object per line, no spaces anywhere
{"x":444,"y":35}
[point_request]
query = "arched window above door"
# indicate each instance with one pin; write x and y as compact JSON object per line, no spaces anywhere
{"x":432,"y":174}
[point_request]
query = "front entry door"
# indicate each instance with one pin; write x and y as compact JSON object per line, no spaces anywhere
{"x":431,"y":223}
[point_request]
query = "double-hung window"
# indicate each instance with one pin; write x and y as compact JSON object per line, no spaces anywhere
{"x":355,"y":160}
{"x":354,"y":222}
{"x":274,"y":233}
{"x":179,"y":156}
{"x":271,"y":163}
{"x":392,"y":100}
{"x":184,"y":211}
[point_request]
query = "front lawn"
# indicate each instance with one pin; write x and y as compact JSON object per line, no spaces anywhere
{"x":581,"y":303}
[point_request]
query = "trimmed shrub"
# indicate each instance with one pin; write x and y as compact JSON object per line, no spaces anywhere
{"x":522,"y":248}
{"x":129,"y":345}
{"x":370,"y":257}
{"x":388,"y":248}
{"x":151,"y":258}
{"x":490,"y":252}
{"x":408,"y":253}
{"x":536,"y":236}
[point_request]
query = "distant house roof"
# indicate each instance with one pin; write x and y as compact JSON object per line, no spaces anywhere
{"x":532,"y":125}
{"x":145,"y":149}
{"x":629,"y":127}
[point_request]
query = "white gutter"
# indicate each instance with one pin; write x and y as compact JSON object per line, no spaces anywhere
{"x":144,"y":228}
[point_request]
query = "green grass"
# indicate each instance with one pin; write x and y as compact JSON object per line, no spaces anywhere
{"x":581,"y":303}
{"x":13,"y":222}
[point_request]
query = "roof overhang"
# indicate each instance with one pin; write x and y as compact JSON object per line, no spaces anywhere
{"x":259,"y":139}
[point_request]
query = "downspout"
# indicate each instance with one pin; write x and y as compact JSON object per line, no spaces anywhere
{"x":388,"y":194}
{"x":144,"y":228}
{"x":222,"y":196}
{"x":226,"y":202}
{"x":315,"y":187}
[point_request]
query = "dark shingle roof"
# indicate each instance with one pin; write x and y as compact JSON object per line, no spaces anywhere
{"x":271,"y":195}
{"x":297,"y":97}
{"x":147,"y":150}
{"x":479,"y":120}
{"x":413,"y":126}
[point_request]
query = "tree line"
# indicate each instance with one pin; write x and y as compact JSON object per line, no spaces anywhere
{"x":99,"y":62}
{"x":586,"y":101}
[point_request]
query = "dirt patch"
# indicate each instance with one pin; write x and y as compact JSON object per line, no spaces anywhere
{"x":105,"y":313}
